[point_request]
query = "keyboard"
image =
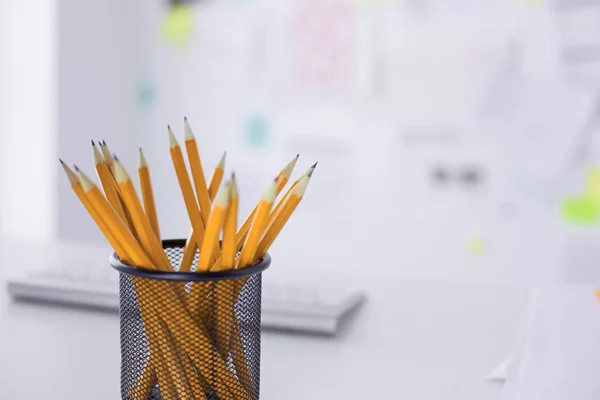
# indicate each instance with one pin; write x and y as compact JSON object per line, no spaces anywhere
{"x":296,"y":308}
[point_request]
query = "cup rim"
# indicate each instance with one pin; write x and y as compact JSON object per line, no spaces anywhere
{"x":140,"y":272}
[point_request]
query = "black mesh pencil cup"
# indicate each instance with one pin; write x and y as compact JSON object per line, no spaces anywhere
{"x":189,"y":335}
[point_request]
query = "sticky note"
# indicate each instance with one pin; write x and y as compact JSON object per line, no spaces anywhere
{"x":178,"y":25}
{"x":145,"y":94}
{"x":475,"y":244}
{"x":592,"y":183}
{"x":257,"y":131}
{"x":580,"y":210}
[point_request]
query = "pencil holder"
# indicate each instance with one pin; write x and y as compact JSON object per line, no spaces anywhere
{"x":189,"y":335}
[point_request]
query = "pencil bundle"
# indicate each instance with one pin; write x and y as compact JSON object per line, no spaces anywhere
{"x":194,"y":333}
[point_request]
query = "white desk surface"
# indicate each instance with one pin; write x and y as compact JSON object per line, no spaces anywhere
{"x":414,"y":339}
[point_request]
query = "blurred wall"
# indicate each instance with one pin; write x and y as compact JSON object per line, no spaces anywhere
{"x":28,"y":119}
{"x":98,"y":60}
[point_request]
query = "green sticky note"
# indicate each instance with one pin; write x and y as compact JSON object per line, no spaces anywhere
{"x":179,"y":24}
{"x":580,"y":210}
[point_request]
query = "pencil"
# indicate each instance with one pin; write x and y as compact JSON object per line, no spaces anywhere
{"x":217,"y":177}
{"x":215,"y":224}
{"x":230,"y":228}
{"x":150,"y":243}
{"x":255,"y":233}
{"x":200,"y":290}
{"x":189,"y":251}
{"x":282,"y":179}
{"x":197,"y":172}
{"x":107,"y":181}
{"x":107,"y":155}
{"x":225,"y":311}
{"x":282,"y":216}
{"x":187,"y":192}
{"x":148,"y":193}
{"x":197,"y":293}
{"x":281,"y":202}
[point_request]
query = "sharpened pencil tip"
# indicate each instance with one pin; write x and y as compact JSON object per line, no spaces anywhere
{"x":185,"y":119}
{"x":103,"y":142}
{"x":222,"y":161}
{"x":188,"y":134}
{"x":297,"y":156}
{"x":61,"y":161}
{"x":232,"y":175}
{"x":76,"y":168}
{"x":93,"y":144}
{"x":314,"y":165}
{"x":172,"y":139}
{"x":115,"y":157}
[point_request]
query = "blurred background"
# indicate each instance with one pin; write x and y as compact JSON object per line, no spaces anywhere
{"x":462,"y":126}
{"x":458,"y":149}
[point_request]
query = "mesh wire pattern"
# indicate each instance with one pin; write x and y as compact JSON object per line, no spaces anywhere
{"x":189,"y":340}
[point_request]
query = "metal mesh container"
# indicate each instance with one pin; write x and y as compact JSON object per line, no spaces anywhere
{"x":190,"y":335}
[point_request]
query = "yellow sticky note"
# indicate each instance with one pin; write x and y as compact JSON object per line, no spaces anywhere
{"x":179,"y":24}
{"x":592,"y":183}
{"x":475,"y":244}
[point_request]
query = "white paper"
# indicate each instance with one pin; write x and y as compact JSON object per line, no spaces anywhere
{"x":562,"y":356}
{"x":501,"y":372}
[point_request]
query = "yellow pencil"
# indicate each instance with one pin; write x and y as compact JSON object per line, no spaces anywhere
{"x":213,"y":229}
{"x":230,"y":228}
{"x":282,"y":216}
{"x":216,"y":220}
{"x":215,"y":224}
{"x":150,"y":243}
{"x":281,"y":202}
{"x":107,"y":181}
{"x":240,"y":237}
{"x":258,"y":224}
{"x":197,"y":172}
{"x":148,"y":193}
{"x":187,"y":192}
{"x":217,"y":177}
{"x":281,"y":180}
{"x":189,"y":251}
{"x":107,"y":155}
